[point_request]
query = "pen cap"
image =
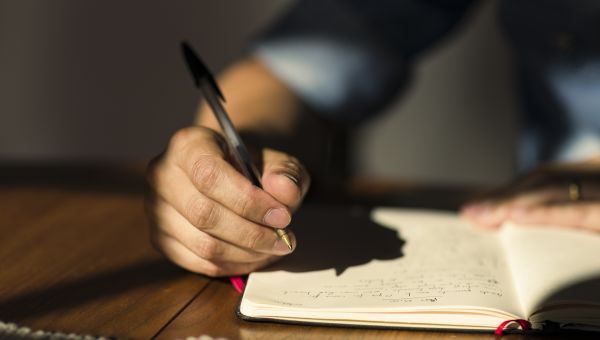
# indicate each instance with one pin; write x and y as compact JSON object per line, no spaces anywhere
{"x":198,"y":69}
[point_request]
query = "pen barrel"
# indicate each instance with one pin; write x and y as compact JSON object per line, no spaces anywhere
{"x":239,"y":152}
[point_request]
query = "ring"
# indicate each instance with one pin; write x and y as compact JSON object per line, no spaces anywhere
{"x":575,"y":190}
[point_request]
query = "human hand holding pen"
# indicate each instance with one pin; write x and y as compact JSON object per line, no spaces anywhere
{"x":207,"y":217}
{"x":214,"y":98}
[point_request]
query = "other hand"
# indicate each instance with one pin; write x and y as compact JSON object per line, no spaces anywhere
{"x":565,"y":195}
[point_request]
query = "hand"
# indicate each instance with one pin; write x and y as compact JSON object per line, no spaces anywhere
{"x":544,"y":197}
{"x":207,"y":217}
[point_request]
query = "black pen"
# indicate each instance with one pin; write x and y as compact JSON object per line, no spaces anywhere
{"x":214,"y":97}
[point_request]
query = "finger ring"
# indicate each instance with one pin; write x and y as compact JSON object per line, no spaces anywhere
{"x":575,"y":190}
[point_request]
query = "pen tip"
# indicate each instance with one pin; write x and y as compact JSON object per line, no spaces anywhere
{"x":288,"y":242}
{"x":285,"y":237}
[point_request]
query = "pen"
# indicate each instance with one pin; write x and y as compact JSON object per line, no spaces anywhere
{"x":214,"y":97}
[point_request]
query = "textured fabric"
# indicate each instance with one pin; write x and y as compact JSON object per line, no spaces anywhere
{"x":348,"y":58}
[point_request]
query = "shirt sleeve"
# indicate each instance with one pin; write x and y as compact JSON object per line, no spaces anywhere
{"x":348,"y":58}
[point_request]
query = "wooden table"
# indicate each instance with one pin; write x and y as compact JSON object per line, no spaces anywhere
{"x":75,"y":257}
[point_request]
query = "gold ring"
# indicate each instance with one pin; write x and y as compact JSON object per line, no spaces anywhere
{"x":574,"y":191}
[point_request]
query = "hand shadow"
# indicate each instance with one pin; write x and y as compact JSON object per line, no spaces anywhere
{"x":338,"y":237}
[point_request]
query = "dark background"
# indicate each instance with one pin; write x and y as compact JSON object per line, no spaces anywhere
{"x":103,"y":81}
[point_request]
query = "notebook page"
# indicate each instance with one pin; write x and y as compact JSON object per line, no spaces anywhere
{"x":553,"y":265}
{"x":446,"y":265}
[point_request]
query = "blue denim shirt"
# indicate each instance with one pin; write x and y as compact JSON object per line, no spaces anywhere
{"x":348,"y":58}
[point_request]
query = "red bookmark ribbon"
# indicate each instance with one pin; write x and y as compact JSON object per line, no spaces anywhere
{"x":238,"y":283}
{"x":524,"y":324}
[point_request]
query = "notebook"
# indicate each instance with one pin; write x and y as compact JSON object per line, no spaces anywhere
{"x":423,"y":269}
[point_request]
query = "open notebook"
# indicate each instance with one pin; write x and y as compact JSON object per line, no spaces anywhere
{"x":428,"y":269}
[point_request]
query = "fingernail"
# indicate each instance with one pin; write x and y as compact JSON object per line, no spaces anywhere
{"x":280,"y":247}
{"x":277,"y":218}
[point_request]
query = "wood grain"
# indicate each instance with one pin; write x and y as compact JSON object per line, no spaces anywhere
{"x":76,"y":258}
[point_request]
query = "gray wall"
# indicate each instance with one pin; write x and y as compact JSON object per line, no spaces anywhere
{"x":90,"y":80}
{"x":457,"y":122}
{"x":104,"y":80}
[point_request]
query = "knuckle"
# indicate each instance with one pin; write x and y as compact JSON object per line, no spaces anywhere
{"x":206,"y":171}
{"x":208,"y":248}
{"x":254,"y":238}
{"x":202,"y":213}
{"x":180,"y":138}
{"x":243,"y":202}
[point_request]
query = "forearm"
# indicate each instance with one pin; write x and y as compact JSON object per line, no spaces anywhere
{"x":269,"y":114}
{"x":255,"y":100}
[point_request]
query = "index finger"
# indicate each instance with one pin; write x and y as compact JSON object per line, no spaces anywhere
{"x":202,"y":160}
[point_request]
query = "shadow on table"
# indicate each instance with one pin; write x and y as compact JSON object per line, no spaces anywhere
{"x":82,"y":291}
{"x":338,"y":237}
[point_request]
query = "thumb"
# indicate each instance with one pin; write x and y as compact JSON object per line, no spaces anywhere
{"x":285,"y":178}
